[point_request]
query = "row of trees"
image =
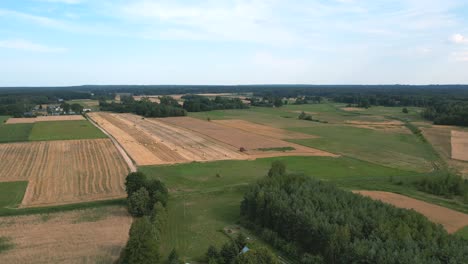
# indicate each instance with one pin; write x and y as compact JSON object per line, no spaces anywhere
{"x":232,"y":253}
{"x":144,"y":107}
{"x":147,"y":201}
{"x":317,"y":222}
{"x":445,"y":184}
{"x":198,"y":103}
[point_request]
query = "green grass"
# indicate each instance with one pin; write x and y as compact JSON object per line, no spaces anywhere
{"x":403,"y":151}
{"x":463,"y":233}
{"x":64,"y":130}
{"x":11,"y":193}
{"x":15,"y":132}
{"x":3,"y":119}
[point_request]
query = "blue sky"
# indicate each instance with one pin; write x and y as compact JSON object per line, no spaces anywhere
{"x":73,"y":42}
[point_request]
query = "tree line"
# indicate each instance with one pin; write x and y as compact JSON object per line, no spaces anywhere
{"x":317,"y":222}
{"x":198,"y":103}
{"x":143,"y":107}
{"x":147,"y":201}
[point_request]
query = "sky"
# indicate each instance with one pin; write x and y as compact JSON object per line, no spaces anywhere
{"x":77,"y":42}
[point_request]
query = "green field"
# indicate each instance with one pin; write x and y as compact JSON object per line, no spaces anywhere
{"x":64,"y":130}
{"x":92,"y":104}
{"x":205,"y":197}
{"x":404,"y":151}
{"x":3,"y":119}
{"x":15,"y":132}
{"x":11,"y":193}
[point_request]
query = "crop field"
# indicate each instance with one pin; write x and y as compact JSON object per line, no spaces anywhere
{"x":65,"y":130}
{"x":62,"y":172}
{"x":459,"y":145}
{"x":44,"y":119}
{"x":15,"y":132}
{"x":84,"y":236}
{"x":149,"y":141}
{"x":86,"y":103}
{"x":238,"y":138}
{"x":11,"y":193}
{"x":451,"y":220}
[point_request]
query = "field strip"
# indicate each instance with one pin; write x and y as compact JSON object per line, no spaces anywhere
{"x":459,"y":142}
{"x":25,"y":120}
{"x":263,"y":130}
{"x":126,"y":157}
{"x":451,"y":220}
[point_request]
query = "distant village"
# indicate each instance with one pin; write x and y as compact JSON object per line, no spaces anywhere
{"x":60,"y":108}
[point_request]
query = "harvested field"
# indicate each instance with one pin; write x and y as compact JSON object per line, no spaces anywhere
{"x":237,"y":138}
{"x":154,"y":99}
{"x":44,"y":119}
{"x":459,"y":145}
{"x":150,"y":142}
{"x":61,"y":172}
{"x":262,"y":129}
{"x":387,"y":126}
{"x":352,"y":109}
{"x":451,"y":220}
{"x":85,"y":236}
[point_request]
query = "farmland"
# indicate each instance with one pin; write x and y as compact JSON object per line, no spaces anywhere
{"x":82,"y":236}
{"x":459,"y":142}
{"x":44,"y":119}
{"x":64,"y":130}
{"x":75,"y":171}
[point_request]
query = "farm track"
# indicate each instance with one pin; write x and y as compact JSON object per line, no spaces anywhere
{"x":61,"y":172}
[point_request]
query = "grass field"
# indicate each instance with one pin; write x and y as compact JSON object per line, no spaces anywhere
{"x":15,"y":132}
{"x":205,"y":197}
{"x":11,"y":193}
{"x":65,"y":130}
{"x":463,"y":233}
{"x":404,"y":151}
{"x":3,"y":119}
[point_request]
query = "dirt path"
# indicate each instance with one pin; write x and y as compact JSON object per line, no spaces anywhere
{"x":451,"y":220}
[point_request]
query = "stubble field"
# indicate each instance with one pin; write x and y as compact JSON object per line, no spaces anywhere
{"x":61,"y":172}
{"x":85,"y":236}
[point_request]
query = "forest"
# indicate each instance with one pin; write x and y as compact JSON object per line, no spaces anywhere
{"x":317,"y":222}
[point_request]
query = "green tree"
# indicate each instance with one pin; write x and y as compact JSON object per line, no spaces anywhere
{"x":134,"y":181}
{"x":142,"y":246}
{"x":405,"y":110}
{"x":77,"y":108}
{"x":212,"y":254}
{"x":157,"y":191}
{"x":228,"y":252}
{"x":174,"y":258}
{"x":278,"y":168}
{"x":139,"y":203}
{"x":240,"y":241}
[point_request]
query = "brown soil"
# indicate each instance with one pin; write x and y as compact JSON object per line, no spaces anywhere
{"x":459,"y":145}
{"x":61,"y":172}
{"x":44,"y":119}
{"x":149,"y":141}
{"x":451,"y":220}
{"x":242,"y":139}
{"x":263,"y":130}
{"x":85,"y":236}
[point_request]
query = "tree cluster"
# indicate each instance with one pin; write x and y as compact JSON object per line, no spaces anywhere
{"x":231,"y":253}
{"x":198,"y":103}
{"x":446,"y":112}
{"x":147,"y":200}
{"x":267,"y":101}
{"x":317,"y":222}
{"x":144,"y":107}
{"x":446,"y":185}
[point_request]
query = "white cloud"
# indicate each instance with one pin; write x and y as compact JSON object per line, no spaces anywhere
{"x":459,"y":39}
{"x":20,"y":44}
